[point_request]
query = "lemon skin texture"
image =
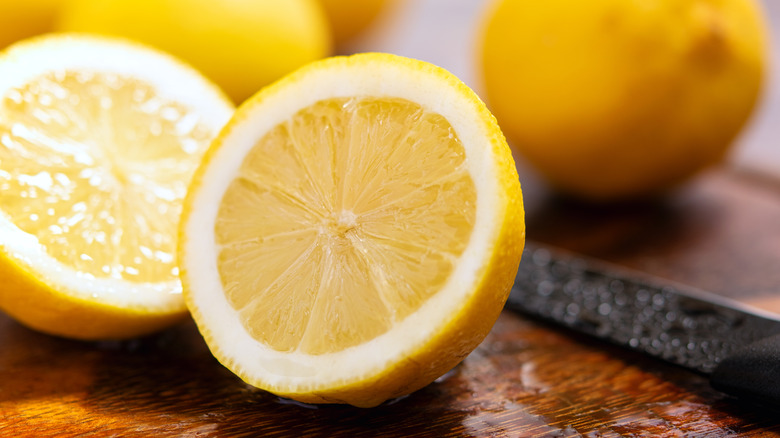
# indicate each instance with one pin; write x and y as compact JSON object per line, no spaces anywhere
{"x":614,"y":99}
{"x":240,"y":45}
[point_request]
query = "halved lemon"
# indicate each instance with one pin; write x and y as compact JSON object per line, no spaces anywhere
{"x":98,"y":141}
{"x":353,"y":232}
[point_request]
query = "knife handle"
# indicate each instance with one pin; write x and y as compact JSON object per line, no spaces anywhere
{"x":752,"y":372}
{"x":738,"y":349}
{"x":645,"y":314}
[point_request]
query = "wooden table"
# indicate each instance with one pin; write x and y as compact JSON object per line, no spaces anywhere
{"x":526,"y":379}
{"x":720,"y":233}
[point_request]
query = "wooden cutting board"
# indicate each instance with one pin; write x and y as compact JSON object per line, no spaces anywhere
{"x":527,"y":379}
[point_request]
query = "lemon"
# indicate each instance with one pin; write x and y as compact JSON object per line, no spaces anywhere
{"x":614,"y":99}
{"x":240,"y":45}
{"x":20,"y":19}
{"x":98,"y":141}
{"x":348,"y":18}
{"x":353,"y":232}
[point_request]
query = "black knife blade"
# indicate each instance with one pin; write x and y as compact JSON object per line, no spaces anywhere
{"x":737,"y":347}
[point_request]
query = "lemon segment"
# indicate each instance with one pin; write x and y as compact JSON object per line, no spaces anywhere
{"x":98,"y":141}
{"x":353,"y":231}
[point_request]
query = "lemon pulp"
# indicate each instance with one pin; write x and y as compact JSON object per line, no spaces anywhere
{"x":95,"y":166}
{"x":342,"y":222}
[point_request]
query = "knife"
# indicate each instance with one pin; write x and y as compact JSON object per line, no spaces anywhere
{"x":736,"y":346}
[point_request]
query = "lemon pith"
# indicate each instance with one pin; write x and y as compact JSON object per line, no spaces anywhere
{"x":397,"y":141}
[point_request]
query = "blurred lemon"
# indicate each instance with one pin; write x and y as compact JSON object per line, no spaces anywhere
{"x":619,"y":98}
{"x":20,"y":19}
{"x":349,"y":18}
{"x":241,"y":45}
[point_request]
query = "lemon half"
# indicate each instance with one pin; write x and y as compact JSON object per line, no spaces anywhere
{"x":353,"y":232}
{"x":98,"y":141}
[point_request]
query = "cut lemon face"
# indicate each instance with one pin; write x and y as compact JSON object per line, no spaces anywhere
{"x":353,"y":232}
{"x":98,"y":141}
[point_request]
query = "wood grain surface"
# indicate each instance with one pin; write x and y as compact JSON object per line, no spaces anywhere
{"x":721,"y":233}
{"x":526,"y":379}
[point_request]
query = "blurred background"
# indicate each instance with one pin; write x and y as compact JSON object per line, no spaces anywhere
{"x":244,"y":45}
{"x":445,"y":33}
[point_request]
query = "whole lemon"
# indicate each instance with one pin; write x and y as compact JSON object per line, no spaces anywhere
{"x":612,"y":99}
{"x":349,"y":18}
{"x":20,"y":19}
{"x":240,"y":45}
